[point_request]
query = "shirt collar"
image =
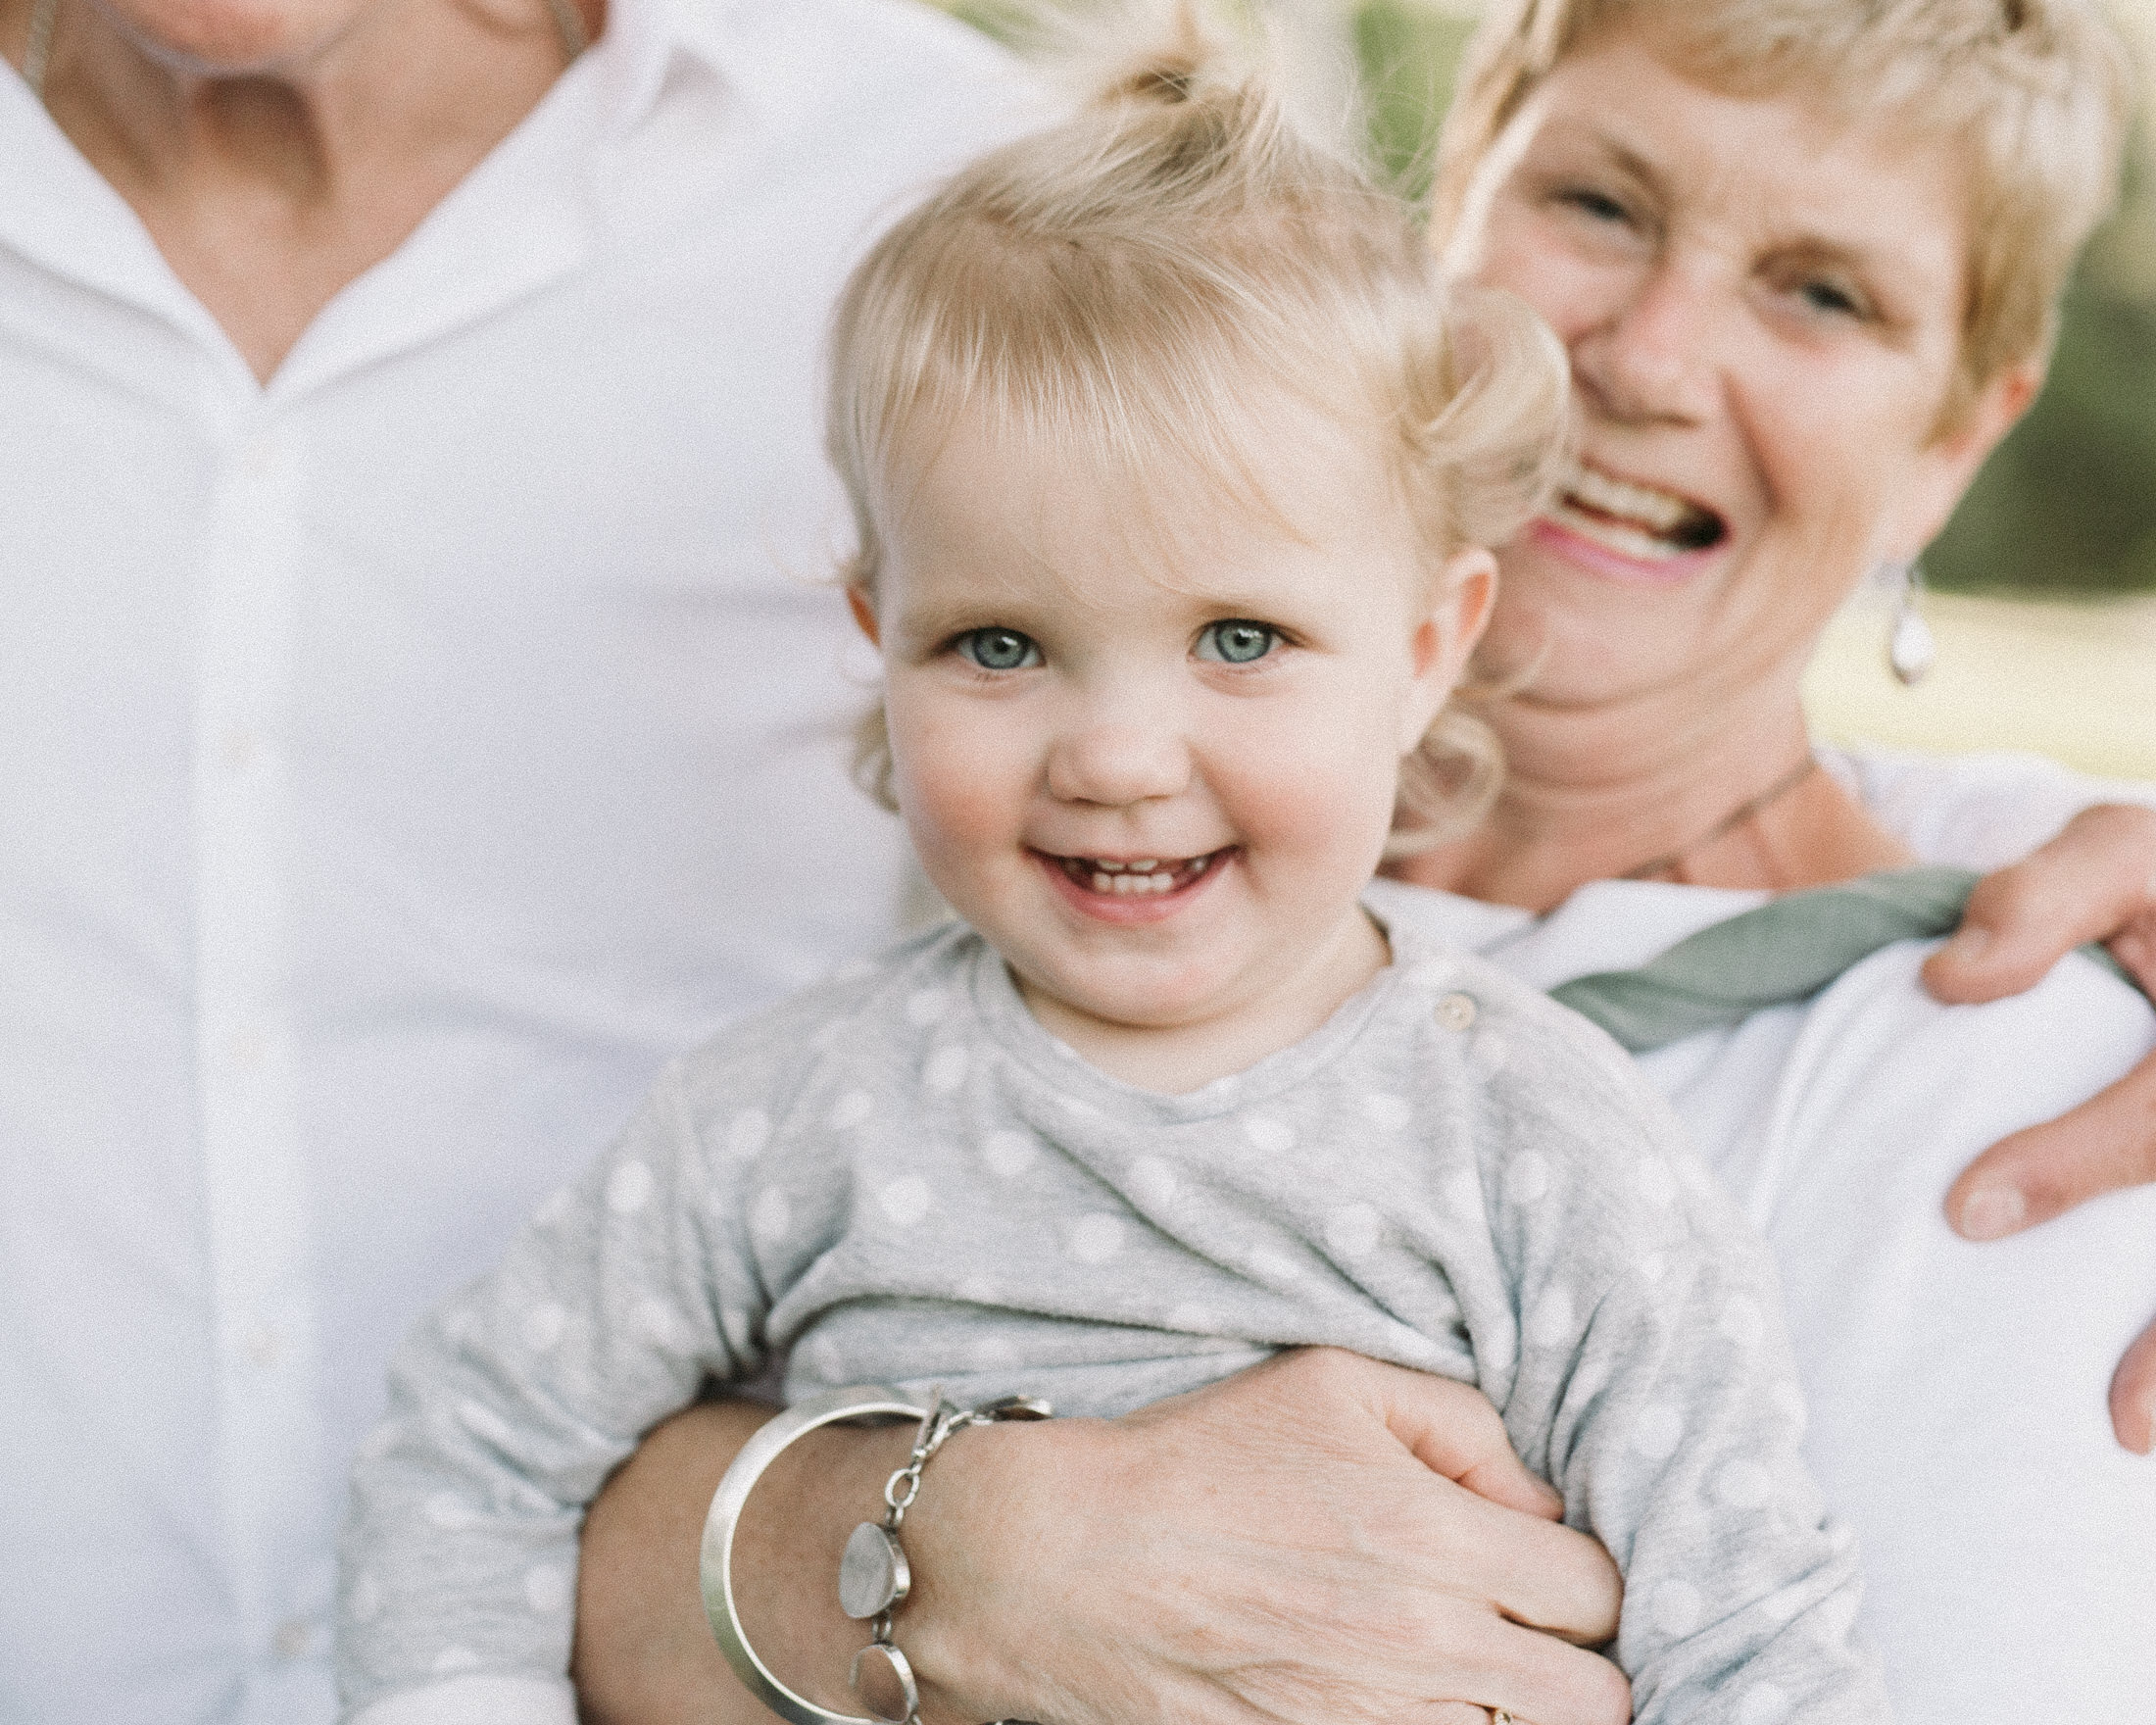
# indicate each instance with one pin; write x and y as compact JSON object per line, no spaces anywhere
{"x":645,"y":42}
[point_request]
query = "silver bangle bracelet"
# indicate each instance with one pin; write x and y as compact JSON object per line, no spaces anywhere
{"x":862,"y":1402}
{"x":873,"y":1590}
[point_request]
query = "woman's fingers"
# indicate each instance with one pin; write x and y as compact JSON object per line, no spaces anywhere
{"x":1453,"y":1430}
{"x":2095,"y":881}
{"x":1273,"y":1549}
{"x":2133,"y":1394}
{"x":1527,"y":1684}
{"x":2107,"y":1143}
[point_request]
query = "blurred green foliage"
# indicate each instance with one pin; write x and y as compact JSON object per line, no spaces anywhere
{"x":2066,"y":507}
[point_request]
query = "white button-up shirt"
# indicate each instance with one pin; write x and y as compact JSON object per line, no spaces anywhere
{"x":397,"y":763}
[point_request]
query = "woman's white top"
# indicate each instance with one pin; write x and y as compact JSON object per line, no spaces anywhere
{"x":1957,"y":1392}
{"x":398,"y":764}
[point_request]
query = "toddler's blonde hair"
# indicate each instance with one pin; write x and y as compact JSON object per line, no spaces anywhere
{"x":1118,"y":285}
{"x":2031,"y":95}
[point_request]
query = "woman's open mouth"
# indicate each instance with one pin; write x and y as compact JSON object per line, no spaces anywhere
{"x":1131,"y":888}
{"x":1639,"y":522}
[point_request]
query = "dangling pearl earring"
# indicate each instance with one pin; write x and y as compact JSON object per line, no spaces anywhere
{"x":1910,"y":649}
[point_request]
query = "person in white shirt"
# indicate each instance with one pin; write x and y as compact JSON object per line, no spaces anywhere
{"x":417,"y":713}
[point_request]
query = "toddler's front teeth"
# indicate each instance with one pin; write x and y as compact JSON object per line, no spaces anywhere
{"x":1132,"y":877}
{"x":1149,"y":874}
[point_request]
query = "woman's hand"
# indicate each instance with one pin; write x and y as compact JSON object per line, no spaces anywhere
{"x":1320,"y":1540}
{"x":2095,"y":881}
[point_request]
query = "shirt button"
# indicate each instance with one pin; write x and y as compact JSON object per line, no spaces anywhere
{"x":258,"y":456}
{"x":1456,"y":1012}
{"x":264,"y":1347}
{"x":245,"y":1049}
{"x":294,"y":1638}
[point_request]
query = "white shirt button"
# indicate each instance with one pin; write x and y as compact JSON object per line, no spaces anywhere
{"x":294,"y":1639}
{"x":258,"y":456}
{"x":245,"y":1049}
{"x":266,"y":1346}
{"x":1456,"y":1012}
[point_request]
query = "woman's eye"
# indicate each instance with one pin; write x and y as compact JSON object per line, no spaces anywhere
{"x":1590,"y":202}
{"x":1830,"y":297}
{"x":1237,"y":641}
{"x":998,"y":650}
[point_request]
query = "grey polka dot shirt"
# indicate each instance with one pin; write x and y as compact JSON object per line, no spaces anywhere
{"x":898,"y":1177}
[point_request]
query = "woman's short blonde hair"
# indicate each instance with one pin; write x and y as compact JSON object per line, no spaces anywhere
{"x":2033,"y":95}
{"x":1126,"y":285}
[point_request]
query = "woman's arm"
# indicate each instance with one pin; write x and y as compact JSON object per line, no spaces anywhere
{"x":2095,"y":881}
{"x":1320,"y":1540}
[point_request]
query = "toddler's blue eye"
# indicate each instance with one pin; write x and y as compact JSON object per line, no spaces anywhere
{"x":999,"y":649}
{"x":1237,"y":641}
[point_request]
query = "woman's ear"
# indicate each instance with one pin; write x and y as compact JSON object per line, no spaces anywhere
{"x":1466,"y":590}
{"x":864,"y":614}
{"x":1948,"y":465}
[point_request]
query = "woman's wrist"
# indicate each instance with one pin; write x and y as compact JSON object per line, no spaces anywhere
{"x":989,"y":1539}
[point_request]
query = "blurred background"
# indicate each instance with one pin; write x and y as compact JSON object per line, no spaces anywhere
{"x":2043,"y":585}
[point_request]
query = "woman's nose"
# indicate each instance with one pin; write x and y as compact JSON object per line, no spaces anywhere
{"x":1648,"y":358}
{"x":1114,"y":759}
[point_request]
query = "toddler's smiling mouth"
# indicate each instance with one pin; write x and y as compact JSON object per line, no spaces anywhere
{"x":1137,"y":877}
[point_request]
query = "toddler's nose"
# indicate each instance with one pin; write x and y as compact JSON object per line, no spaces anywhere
{"x":1113,"y":761}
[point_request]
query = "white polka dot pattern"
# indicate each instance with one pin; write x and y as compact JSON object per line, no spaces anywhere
{"x":746,"y":1134}
{"x":1096,"y":1239}
{"x":1526,"y":1180}
{"x":906,"y":1201}
{"x":946,"y":1068}
{"x":1152,"y":1183}
{"x":1272,"y":1136}
{"x":547,"y":1589}
{"x":1353,"y":1230}
{"x":629,"y":1188}
{"x":1007,"y":1153}
{"x":773,"y":1217}
{"x":450,"y":1512}
{"x":1385,"y":1111}
{"x":1656,"y":1431}
{"x":1550,"y":1323}
{"x":544,"y":1325}
{"x":926,"y":1006}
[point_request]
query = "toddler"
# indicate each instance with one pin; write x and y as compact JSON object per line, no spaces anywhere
{"x":1169,"y":456}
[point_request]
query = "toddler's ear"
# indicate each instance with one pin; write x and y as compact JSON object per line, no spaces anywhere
{"x":864,"y":614}
{"x":1465,"y":589}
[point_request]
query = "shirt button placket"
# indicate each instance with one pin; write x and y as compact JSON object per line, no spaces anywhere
{"x":254,"y":1175}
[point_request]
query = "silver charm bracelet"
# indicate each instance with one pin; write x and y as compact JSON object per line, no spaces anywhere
{"x":873,"y":1575}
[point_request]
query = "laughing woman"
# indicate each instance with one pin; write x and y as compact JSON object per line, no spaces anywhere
{"x":1805,"y":255}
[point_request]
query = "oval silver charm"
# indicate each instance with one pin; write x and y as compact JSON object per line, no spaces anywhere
{"x":891,"y":1696}
{"x":872,"y":1575}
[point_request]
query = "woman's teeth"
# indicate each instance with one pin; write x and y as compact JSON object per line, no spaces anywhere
{"x":1127,"y":879}
{"x":1636,"y":521}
